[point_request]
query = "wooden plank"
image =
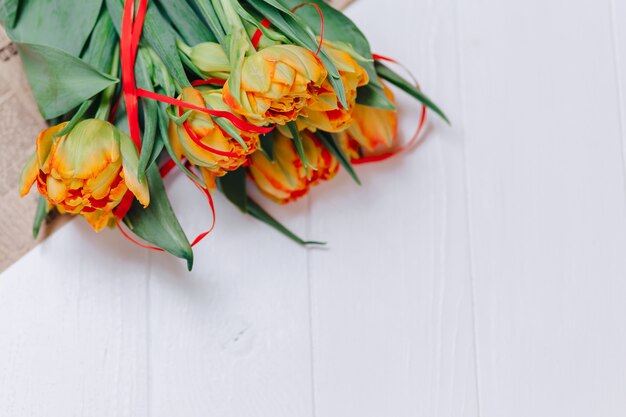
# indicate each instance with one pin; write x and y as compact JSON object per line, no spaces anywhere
{"x":73,"y":328}
{"x":547,"y":208}
{"x":232,"y":337}
{"x":618,"y":14}
{"x":392,"y":308}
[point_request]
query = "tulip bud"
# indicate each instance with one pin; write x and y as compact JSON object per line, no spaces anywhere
{"x":285,"y":178}
{"x":276,"y":84}
{"x":210,"y":59}
{"x":373,"y":132}
{"x":201,"y":127}
{"x":85,"y":172}
{"x":325,"y":112}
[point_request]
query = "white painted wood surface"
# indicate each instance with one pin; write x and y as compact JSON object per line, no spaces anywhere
{"x":482,"y":275}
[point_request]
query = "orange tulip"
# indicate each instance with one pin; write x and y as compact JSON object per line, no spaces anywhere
{"x":85,"y":172}
{"x":276,"y":84}
{"x":373,"y":132}
{"x":325,"y":112}
{"x":202,"y":128}
{"x":285,"y":179}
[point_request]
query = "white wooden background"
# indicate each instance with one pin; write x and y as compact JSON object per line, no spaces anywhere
{"x":482,"y":275}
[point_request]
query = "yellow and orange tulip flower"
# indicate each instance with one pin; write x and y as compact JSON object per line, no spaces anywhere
{"x":285,"y":178}
{"x":276,"y":84}
{"x":204,"y":129}
{"x":373,"y":132}
{"x":325,"y":112}
{"x":85,"y":172}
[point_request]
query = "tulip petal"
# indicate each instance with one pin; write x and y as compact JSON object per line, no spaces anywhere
{"x":209,"y":178}
{"x":86,"y":150}
{"x":29,"y":174}
{"x":256,"y":75}
{"x":98,"y":219}
{"x":269,"y":178}
{"x":100,"y":186}
{"x":130,"y":163}
{"x":44,"y":145}
{"x":57,"y":191}
{"x":174,"y":141}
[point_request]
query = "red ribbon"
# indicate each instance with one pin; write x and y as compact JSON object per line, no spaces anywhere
{"x":129,"y":43}
{"x":132,"y":28}
{"x":210,"y":81}
{"x":258,"y":34}
{"x":165,"y":169}
{"x":415,"y":139}
{"x":239,"y":123}
{"x":204,"y":146}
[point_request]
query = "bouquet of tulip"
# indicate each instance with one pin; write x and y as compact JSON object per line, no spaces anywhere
{"x":278,"y":93}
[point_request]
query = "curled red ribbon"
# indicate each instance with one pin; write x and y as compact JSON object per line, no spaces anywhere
{"x":415,"y":139}
{"x":165,"y":169}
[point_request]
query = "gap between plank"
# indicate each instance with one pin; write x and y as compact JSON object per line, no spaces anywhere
{"x":620,"y":86}
{"x":468,"y":214}
{"x":308,"y":231}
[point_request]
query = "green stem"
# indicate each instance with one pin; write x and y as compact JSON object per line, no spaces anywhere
{"x":104,"y":109}
{"x":162,"y":75}
{"x":183,"y":47}
{"x":230,"y":18}
{"x":221,"y":15}
{"x":213,"y":20}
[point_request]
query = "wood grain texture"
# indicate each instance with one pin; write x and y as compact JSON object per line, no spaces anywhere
{"x":232,"y":337}
{"x":73,"y":328}
{"x":392,"y":317}
{"x":547,"y":212}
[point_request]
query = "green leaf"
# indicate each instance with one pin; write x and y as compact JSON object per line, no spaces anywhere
{"x":233,"y":185}
{"x":102,"y":44}
{"x":231,"y":129}
{"x":259,"y":213}
{"x":161,"y":77}
{"x":208,"y":12}
{"x":157,"y":150}
{"x":8,"y":12}
{"x":165,"y":142}
{"x":339,"y":28}
{"x":60,"y":81}
{"x":62,"y":24}
{"x":157,"y":223}
{"x":40,"y":215}
{"x":179,"y":120}
{"x":388,"y":74}
{"x":77,"y":117}
{"x":373,"y":96}
{"x":297,"y":140}
{"x":267,"y":144}
{"x":331,"y":144}
{"x":184,"y":19}
{"x":150,"y":109}
{"x":255,"y":22}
